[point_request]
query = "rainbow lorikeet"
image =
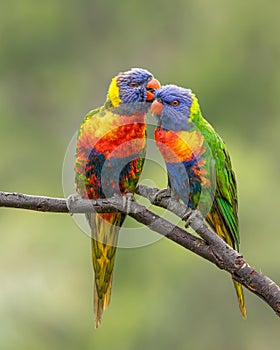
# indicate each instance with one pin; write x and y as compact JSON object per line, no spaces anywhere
{"x":198,"y":164}
{"x":110,"y":154}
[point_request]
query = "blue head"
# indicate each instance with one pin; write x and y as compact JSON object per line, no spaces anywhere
{"x":135,"y":85}
{"x":173,"y":107}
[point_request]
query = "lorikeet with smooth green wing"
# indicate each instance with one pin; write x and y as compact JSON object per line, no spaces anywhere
{"x":110,"y":155}
{"x":198,"y":164}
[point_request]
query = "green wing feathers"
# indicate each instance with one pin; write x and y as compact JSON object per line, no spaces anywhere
{"x":226,"y":196}
{"x":223,"y":216}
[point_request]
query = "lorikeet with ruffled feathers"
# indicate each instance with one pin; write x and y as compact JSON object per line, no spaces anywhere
{"x":198,"y":164}
{"x":110,"y":154}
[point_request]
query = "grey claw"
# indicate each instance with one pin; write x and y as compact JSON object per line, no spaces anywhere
{"x":186,"y":216}
{"x":192,"y":215}
{"x":72,"y":199}
{"x":159,"y":195}
{"x":127,"y":199}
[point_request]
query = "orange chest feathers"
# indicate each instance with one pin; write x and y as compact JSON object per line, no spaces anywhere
{"x":112,"y":135}
{"x":179,"y":146}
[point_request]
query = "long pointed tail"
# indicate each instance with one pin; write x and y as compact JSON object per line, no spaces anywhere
{"x":105,"y":229}
{"x":240,"y":297}
{"x":215,"y":220}
{"x":101,"y":298}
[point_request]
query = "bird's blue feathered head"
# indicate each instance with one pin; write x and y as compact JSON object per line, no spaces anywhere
{"x":135,"y":85}
{"x":174,"y":107}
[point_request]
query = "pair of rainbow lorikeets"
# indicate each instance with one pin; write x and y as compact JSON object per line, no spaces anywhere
{"x":110,"y":155}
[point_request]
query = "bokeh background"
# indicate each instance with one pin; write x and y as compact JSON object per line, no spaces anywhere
{"x":57,"y":58}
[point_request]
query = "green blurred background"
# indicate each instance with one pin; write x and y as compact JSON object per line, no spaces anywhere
{"x":57,"y":58}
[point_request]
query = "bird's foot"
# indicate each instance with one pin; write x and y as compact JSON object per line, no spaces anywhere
{"x":161,"y":194}
{"x":127,"y":200}
{"x":72,"y":199}
{"x":192,"y":215}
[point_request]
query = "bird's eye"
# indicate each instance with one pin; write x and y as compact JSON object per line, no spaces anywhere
{"x":174,"y":103}
{"x":133,"y":84}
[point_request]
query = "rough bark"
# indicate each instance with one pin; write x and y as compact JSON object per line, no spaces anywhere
{"x":210,"y":246}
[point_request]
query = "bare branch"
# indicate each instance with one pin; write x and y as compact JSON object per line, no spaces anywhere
{"x":210,"y":247}
{"x":137,"y":211}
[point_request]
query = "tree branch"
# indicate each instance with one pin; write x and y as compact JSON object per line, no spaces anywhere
{"x":211,"y":247}
{"x":226,"y":258}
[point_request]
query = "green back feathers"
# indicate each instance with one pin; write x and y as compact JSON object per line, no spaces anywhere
{"x":225,"y":197}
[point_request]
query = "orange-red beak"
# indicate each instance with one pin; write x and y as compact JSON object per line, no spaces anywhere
{"x":156,"y":107}
{"x":152,"y":85}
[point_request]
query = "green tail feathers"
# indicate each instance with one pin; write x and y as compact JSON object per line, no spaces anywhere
{"x":105,"y":229}
{"x":101,"y":301}
{"x":240,"y":297}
